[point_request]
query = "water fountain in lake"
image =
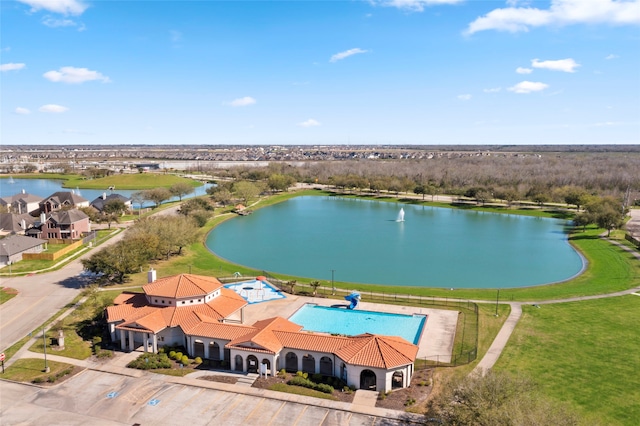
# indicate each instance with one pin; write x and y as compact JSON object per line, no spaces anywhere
{"x":11,"y":179}
{"x":400,"y":217}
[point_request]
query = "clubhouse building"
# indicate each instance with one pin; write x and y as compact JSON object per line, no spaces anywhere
{"x":199,"y":313}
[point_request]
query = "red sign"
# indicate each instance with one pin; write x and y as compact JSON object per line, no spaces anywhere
{"x":2,"y":356}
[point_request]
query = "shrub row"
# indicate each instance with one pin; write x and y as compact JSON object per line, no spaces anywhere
{"x":53,"y":378}
{"x":150,"y":361}
{"x":306,"y":383}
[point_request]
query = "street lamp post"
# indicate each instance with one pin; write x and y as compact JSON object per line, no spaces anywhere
{"x":497,"y":298}
{"x":333,"y":287}
{"x":44,"y":340}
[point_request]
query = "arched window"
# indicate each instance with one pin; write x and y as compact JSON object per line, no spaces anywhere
{"x":397,"y":380}
{"x":308,"y":364}
{"x":291,"y":362}
{"x":368,"y":380}
{"x":326,"y":366}
{"x":252,"y":364}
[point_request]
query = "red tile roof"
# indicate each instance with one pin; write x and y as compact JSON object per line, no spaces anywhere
{"x":183,"y":285}
{"x":263,"y":337}
{"x":371,"y":350}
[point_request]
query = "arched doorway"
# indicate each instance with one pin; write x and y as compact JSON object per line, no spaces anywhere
{"x":343,"y":372}
{"x":239,"y":362}
{"x":308,"y":364}
{"x":326,"y":366}
{"x":252,"y":364}
{"x":397,"y":380}
{"x":291,"y":362}
{"x":214,"y":351}
{"x":368,"y":380}
{"x":267,"y":366}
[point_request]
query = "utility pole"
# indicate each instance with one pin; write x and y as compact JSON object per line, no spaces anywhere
{"x":497,"y":298}
{"x":333,"y":287}
{"x":44,"y":340}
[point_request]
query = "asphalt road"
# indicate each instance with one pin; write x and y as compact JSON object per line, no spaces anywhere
{"x":40,"y":296}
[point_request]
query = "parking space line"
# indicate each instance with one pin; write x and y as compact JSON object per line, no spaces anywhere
{"x":275,"y":415}
{"x":255,"y":409}
{"x":300,"y":415}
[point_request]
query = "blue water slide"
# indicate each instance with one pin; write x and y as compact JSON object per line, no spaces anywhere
{"x":353,"y":299}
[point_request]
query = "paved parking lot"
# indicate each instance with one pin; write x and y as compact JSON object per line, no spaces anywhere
{"x":101,"y":398}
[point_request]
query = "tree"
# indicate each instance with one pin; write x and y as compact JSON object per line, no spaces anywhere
{"x":222,"y":196}
{"x":420,"y":189}
{"x":292,"y":286}
{"x":314,"y":285}
{"x":280,"y":182}
{"x":606,"y":212}
{"x":576,"y":196}
{"x":246,"y":190}
{"x":180,"y":189}
{"x":139,"y":197}
{"x":157,"y":195}
{"x":497,"y":398}
{"x":29,"y":168}
{"x":195,"y":204}
{"x":173,"y":233}
{"x":112,"y":210}
{"x":114,"y":262}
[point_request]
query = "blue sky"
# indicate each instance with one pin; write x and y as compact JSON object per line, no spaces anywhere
{"x":320,"y":72}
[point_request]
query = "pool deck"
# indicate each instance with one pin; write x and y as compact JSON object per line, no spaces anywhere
{"x":437,"y":337}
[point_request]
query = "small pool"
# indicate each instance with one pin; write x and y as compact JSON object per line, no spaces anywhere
{"x":256,"y":291}
{"x":353,"y":322}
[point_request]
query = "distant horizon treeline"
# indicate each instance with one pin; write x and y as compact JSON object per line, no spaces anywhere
{"x":543,"y":178}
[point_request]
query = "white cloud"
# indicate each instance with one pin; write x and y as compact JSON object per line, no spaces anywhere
{"x":52,"y":22}
{"x":346,"y":54}
{"x":565,"y":65}
{"x":65,"y":7}
{"x":53,"y":108}
{"x":414,"y":5}
{"x":611,"y":56}
{"x":73,"y":75}
{"x":11,"y":67}
{"x":560,"y":12}
{"x":241,"y":102}
{"x":528,"y":87}
{"x":309,"y":123}
{"x":492,"y":90}
{"x":464,"y":97}
{"x":521,"y":70}
{"x":22,"y":111}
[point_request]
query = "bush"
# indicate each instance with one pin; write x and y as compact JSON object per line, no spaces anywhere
{"x":177,"y":356}
{"x":150,"y":362}
{"x":198,"y":360}
{"x":103,"y":353}
{"x":38,"y":380}
{"x":282,"y":372}
{"x":184,"y":360}
{"x":324,"y":388}
{"x":316,"y":378}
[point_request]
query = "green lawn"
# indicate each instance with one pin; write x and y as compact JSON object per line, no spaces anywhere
{"x":138,"y":181}
{"x":31,"y":369}
{"x":585,"y":353}
{"x":7,"y":293}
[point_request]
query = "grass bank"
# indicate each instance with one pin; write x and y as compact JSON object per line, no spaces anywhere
{"x":138,"y":181}
{"x":31,"y":370}
{"x":7,"y":294}
{"x":584,"y":353}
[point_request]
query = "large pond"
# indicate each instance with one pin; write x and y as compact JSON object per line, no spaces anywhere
{"x":360,"y":241}
{"x":45,"y":187}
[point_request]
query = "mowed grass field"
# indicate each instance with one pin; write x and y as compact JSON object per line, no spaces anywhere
{"x":586,"y":354}
{"x":131,"y":181}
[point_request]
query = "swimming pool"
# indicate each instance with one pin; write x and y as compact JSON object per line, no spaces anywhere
{"x":256,"y":291}
{"x":353,"y":322}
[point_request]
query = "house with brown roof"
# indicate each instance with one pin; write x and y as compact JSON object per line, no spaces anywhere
{"x":21,"y":203}
{"x":206,"y":318}
{"x":64,"y":225}
{"x":14,"y":246}
{"x":13,"y":223}
{"x":62,"y":199}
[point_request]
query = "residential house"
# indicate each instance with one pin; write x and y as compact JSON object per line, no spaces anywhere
{"x":62,"y":199}
{"x":21,"y":203}
{"x":206,"y":318}
{"x":14,"y":246}
{"x":65,"y":224}
{"x":12,"y":223}
{"x":99,"y":202}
